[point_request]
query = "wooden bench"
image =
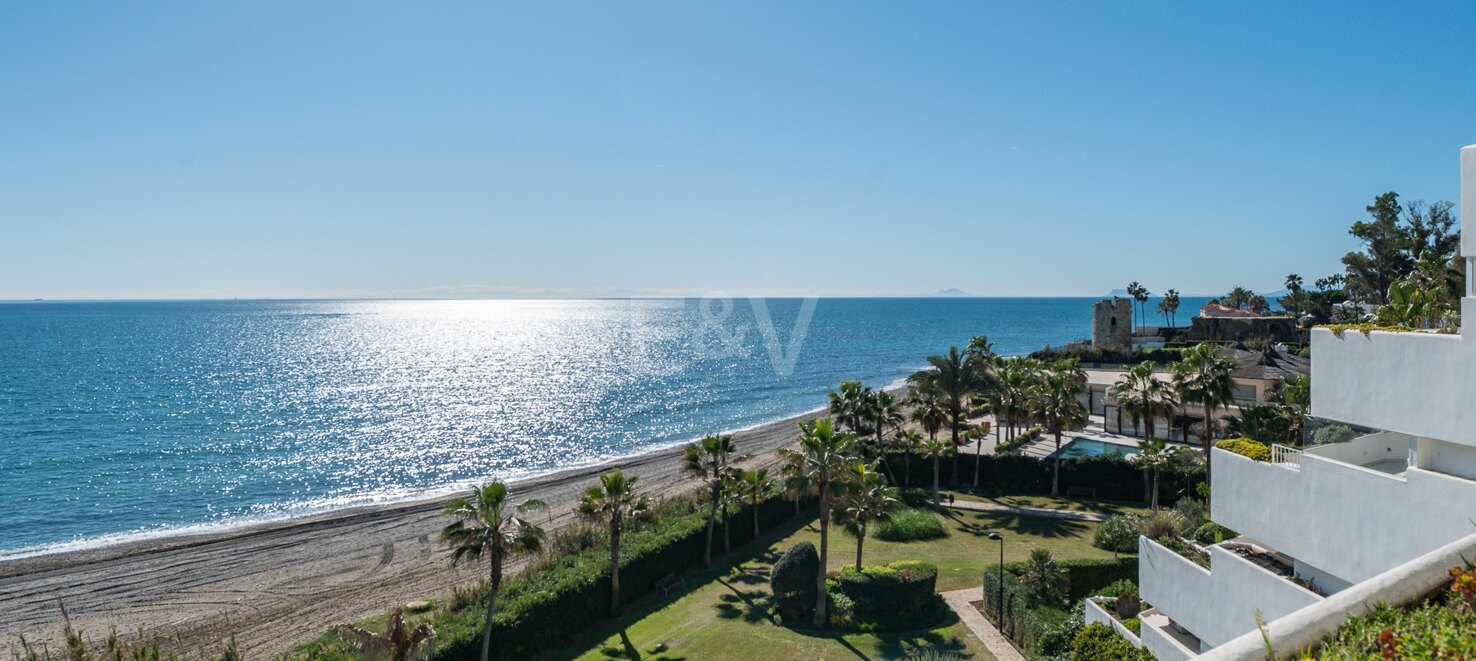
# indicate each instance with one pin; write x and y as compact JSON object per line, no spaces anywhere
{"x":1081,"y":492}
{"x":668,"y":583}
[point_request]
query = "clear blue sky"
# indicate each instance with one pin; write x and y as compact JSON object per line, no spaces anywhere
{"x":251,"y":149}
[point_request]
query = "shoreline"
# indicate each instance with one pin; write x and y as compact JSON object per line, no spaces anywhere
{"x":111,"y":545}
{"x":276,"y":584}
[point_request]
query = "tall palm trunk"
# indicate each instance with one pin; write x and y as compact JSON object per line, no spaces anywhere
{"x":727,"y":539}
{"x":936,"y":459}
{"x":978,"y":450}
{"x":1153,"y":492}
{"x":1056,"y":468}
{"x":907,"y":467}
{"x":615,"y":565}
{"x":1154,"y":504}
{"x":753,"y":505}
{"x":860,"y":539}
{"x":717,"y":494}
{"x":1209,"y":433}
{"x":494,"y":582}
{"x":820,"y":594}
{"x":953,"y":433}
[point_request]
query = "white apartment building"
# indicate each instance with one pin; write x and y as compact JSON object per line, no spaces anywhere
{"x":1323,"y":520}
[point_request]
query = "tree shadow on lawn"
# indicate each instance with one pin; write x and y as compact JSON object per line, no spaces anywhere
{"x":902,"y":644}
{"x":1097,"y":506}
{"x":980,"y":524}
{"x":748,"y":565}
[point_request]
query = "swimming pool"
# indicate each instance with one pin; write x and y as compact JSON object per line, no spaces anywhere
{"x":1086,"y":447}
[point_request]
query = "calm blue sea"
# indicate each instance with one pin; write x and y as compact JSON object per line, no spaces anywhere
{"x":127,"y":419}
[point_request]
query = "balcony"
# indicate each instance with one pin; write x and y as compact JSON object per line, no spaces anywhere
{"x":1346,"y":511}
{"x":1415,"y":383}
{"x":1165,"y":641}
{"x":1220,"y":603}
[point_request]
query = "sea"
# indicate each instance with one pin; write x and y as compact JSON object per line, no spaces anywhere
{"x":127,"y":420}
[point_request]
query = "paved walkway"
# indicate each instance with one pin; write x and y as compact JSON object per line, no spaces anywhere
{"x":961,"y":601}
{"x":975,"y":506}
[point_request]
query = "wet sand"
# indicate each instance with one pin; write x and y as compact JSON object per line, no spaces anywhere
{"x":277,"y":585}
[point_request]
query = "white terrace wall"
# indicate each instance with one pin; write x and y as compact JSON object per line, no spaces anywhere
{"x":1219,"y":604}
{"x":1348,"y":521}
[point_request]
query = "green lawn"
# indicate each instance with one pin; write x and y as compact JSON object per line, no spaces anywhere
{"x":725,"y":612}
{"x":1059,"y":503}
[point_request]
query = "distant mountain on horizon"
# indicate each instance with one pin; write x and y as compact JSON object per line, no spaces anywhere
{"x":951,"y":292}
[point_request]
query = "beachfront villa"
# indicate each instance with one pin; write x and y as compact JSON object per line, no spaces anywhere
{"x":1328,"y":530}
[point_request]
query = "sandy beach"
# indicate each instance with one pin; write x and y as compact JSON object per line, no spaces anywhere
{"x":277,"y":585}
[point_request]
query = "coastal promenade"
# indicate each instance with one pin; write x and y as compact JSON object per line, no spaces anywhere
{"x":274,"y":586}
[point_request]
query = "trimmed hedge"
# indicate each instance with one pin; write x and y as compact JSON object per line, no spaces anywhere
{"x":901,"y":593}
{"x":1112,"y":477}
{"x":1246,"y":447}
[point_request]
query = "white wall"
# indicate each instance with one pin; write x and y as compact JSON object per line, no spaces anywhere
{"x":1458,"y":460}
{"x":1097,"y":612}
{"x":1163,"y":645}
{"x":1219,"y":604}
{"x":1350,"y":522}
{"x":1368,"y":449}
{"x":1468,"y":199}
{"x":1414,"y":383}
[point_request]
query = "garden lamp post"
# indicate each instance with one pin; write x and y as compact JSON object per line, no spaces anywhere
{"x":999,"y":613}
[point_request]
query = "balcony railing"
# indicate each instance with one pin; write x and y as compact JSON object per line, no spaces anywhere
{"x":1285,"y":456}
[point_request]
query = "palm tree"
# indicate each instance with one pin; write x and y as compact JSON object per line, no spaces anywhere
{"x":707,"y":459}
{"x":1171,"y":302}
{"x":486,"y":526}
{"x":614,"y":501}
{"x":1133,"y":291}
{"x":1143,"y":396}
{"x":824,"y":454}
{"x":1295,"y":398}
{"x":1203,"y":376}
{"x":866,"y":500}
{"x":1157,"y":457}
{"x":732,"y":500}
{"x":977,"y":435}
{"x":952,"y":378}
{"x":1045,"y":577}
{"x":850,"y":405}
{"x":884,"y":412}
{"x":908,"y":440}
{"x":935,"y":449}
{"x":756,"y":485}
{"x":795,"y":481}
{"x":928,"y":412}
{"x":398,"y":643}
{"x":1058,"y":410}
{"x":1018,"y":377}
{"x":1293,"y":296}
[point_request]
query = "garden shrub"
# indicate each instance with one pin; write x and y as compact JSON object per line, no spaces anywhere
{"x":840,"y":609}
{"x":1098,"y":642}
{"x":792,"y":581}
{"x":911,"y":525}
{"x":1193,"y":512}
{"x":898,"y":596}
{"x":1246,"y":447}
{"x":1213,"y":533}
{"x":1121,"y":588}
{"x":1134,"y":625}
{"x":1118,"y":534}
{"x":1161,"y":525}
{"x":1333,"y":434}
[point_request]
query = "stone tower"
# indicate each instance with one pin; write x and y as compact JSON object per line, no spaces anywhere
{"x":1112,"y":324}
